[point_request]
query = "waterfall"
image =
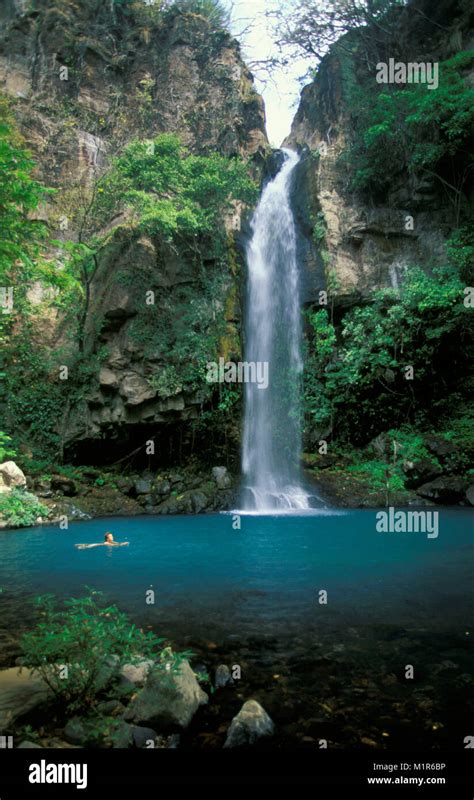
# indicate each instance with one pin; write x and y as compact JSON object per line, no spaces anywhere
{"x":272,"y":436}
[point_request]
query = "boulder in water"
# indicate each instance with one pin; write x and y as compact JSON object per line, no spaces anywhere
{"x":20,"y":693}
{"x":27,"y":745}
{"x":251,"y":723}
{"x":167,"y":701}
{"x":223,"y":676}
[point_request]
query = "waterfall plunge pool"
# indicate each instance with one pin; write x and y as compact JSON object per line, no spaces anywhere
{"x":204,"y":572}
{"x":252,"y":597}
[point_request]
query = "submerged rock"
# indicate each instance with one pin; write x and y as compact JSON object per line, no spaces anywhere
{"x":20,"y":693}
{"x":223,"y":676}
{"x":251,"y":723}
{"x":167,"y":700}
{"x":26,"y":745}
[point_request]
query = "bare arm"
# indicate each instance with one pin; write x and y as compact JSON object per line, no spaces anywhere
{"x":88,"y":546}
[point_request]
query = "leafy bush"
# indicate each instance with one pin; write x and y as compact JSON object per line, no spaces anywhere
{"x":21,"y":509}
{"x":460,"y":249}
{"x":166,"y":381}
{"x":6,"y":451}
{"x":379,"y":476}
{"x":19,"y":196}
{"x":35,"y":402}
{"x":171,"y":191}
{"x":413,"y":128}
{"x":79,"y":650}
{"x":355,"y":382}
{"x":212,"y":10}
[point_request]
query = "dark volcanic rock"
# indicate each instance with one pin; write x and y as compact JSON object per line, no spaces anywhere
{"x":444,"y":490}
{"x":66,"y":486}
{"x":419,"y":472}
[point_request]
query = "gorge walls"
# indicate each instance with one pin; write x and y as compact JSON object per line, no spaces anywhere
{"x":85,"y":79}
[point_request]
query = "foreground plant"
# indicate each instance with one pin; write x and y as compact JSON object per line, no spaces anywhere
{"x":21,"y":509}
{"x":79,"y":651}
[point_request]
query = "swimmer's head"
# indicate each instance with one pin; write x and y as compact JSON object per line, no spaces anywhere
{"x":109,"y":537}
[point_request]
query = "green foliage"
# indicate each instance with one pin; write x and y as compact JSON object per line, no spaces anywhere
{"x":21,"y":509}
{"x":34,"y":401}
{"x":459,"y":430}
{"x":176,"y":197}
{"x":409,"y":445}
{"x":6,"y":451}
{"x":184,"y":331}
{"x":171,"y":192}
{"x":355,"y":382}
{"x":319,"y":230}
{"x":460,"y":250}
{"x":20,"y":233}
{"x":20,"y":196}
{"x":166,"y":381}
{"x":29,"y":734}
{"x":413,"y":128}
{"x":93,"y":642}
{"x":213,"y":10}
{"x":378,"y":475}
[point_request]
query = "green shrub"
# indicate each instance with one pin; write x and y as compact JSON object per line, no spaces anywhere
{"x":21,"y":509}
{"x":212,"y":10}
{"x":412,"y":128}
{"x":6,"y":452}
{"x":355,"y":383}
{"x":379,"y":476}
{"x":172,"y":192}
{"x":79,"y":650}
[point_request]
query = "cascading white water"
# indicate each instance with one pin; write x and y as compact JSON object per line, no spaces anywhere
{"x":272,"y":440}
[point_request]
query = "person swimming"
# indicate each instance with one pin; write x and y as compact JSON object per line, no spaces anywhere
{"x":108,"y":542}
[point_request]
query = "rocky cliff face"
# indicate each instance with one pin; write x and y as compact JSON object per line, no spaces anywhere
{"x":86,"y":78}
{"x":366,"y":245}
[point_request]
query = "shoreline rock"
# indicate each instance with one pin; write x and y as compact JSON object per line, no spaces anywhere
{"x":251,"y":723}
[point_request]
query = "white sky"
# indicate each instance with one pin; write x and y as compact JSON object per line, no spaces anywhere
{"x":281,"y":94}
